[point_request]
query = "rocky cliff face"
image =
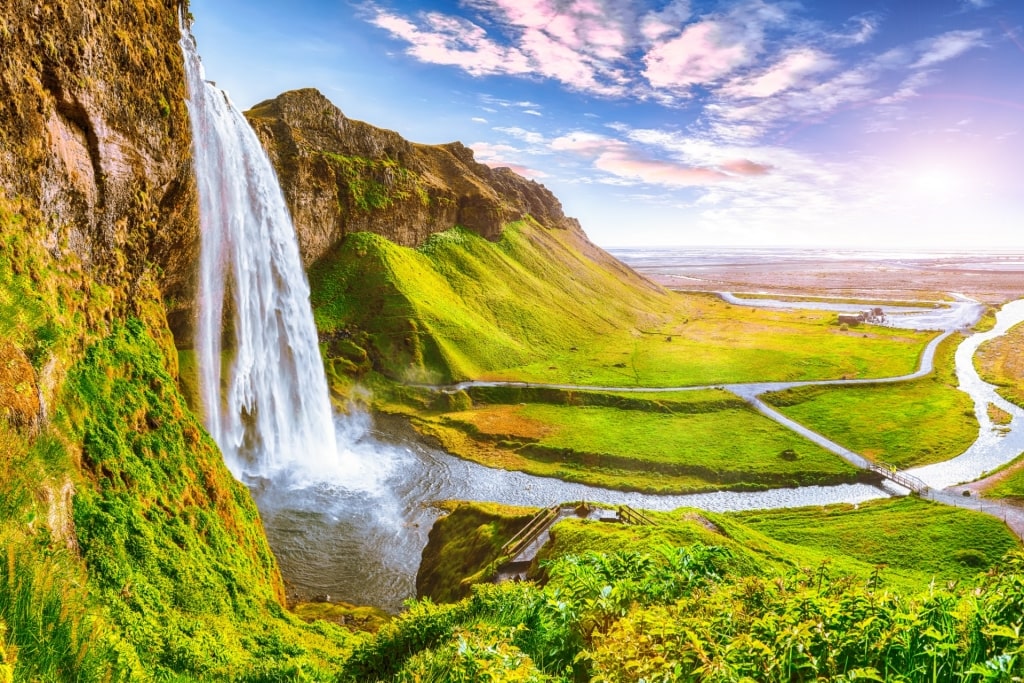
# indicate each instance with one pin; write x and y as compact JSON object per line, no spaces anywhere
{"x":342,"y":176}
{"x":94,"y":133}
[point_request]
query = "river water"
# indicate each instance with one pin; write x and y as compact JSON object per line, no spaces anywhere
{"x":361,"y":541}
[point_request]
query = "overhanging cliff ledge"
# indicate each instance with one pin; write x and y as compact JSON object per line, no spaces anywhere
{"x":342,"y":176}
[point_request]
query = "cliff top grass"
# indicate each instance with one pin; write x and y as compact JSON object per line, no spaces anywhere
{"x":545,"y":306}
{"x":905,"y":424}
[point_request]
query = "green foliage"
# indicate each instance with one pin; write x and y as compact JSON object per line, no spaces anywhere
{"x":375,"y":184}
{"x":46,"y":630}
{"x":905,"y":424}
{"x":172,"y":542}
{"x":679,"y":614}
{"x":463,"y":547}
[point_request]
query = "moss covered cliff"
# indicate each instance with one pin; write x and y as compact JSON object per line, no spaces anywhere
{"x":129,"y":551}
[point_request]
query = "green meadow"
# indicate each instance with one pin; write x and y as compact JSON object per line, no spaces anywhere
{"x":905,"y":424}
{"x":1000,"y":361}
{"x":715,"y":441}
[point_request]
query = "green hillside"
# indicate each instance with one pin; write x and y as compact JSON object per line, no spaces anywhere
{"x":701,"y":596}
{"x":461,"y":306}
{"x":547,"y":306}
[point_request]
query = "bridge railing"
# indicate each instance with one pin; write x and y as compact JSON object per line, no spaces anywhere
{"x":529,"y":533}
{"x":632,"y":516}
{"x":905,"y":480}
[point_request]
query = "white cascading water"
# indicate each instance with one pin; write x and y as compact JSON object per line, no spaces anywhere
{"x":272,"y":416}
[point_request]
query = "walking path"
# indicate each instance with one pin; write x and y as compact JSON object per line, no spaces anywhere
{"x":960,"y":315}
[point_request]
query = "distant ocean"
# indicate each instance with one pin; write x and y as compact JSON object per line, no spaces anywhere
{"x":669,"y":259}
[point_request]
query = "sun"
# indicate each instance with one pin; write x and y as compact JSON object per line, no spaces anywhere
{"x":937,"y":181}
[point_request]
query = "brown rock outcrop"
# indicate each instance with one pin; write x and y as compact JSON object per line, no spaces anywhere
{"x":341,"y":176}
{"x":94,"y":132}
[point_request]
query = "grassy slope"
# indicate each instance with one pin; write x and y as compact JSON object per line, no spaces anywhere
{"x":127,"y":542}
{"x":1001,"y":362}
{"x":462,"y":307}
{"x":905,"y":424}
{"x":914,"y":539}
{"x":1010,"y":482}
{"x":463,"y":546}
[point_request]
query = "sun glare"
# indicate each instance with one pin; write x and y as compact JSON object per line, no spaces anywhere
{"x":937,"y":182}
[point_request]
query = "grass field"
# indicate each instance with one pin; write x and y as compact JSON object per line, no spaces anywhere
{"x":1010,"y":485}
{"x":908,"y":540}
{"x":709,"y":440}
{"x":1001,"y":362}
{"x":914,"y":539}
{"x":905,"y":424}
{"x":460,"y":307}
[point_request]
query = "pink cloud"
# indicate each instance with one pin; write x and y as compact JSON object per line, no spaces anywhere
{"x":524,"y":171}
{"x":701,"y":54}
{"x":792,"y":70}
{"x":457,"y":42}
{"x":622,"y":161}
{"x":745,"y":167}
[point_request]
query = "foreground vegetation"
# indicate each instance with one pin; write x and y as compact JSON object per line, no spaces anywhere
{"x":461,"y":307}
{"x":708,"y":597}
{"x":1000,"y":362}
{"x":905,"y":424}
{"x":129,"y":551}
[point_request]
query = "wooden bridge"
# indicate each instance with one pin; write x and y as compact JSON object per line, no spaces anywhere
{"x":521,"y":550}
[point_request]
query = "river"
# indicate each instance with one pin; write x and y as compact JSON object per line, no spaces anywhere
{"x":361,"y":541}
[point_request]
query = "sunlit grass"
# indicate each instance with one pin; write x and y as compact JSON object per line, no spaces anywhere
{"x":905,"y":424}
{"x":544,"y":306}
{"x":1000,"y":361}
{"x":708,"y":440}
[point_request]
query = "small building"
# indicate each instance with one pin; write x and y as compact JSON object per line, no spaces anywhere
{"x":851,"y":318}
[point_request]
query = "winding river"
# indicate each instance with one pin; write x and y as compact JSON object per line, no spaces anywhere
{"x":361,"y":542}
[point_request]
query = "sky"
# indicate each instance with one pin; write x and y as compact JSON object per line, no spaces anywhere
{"x":840,"y":123}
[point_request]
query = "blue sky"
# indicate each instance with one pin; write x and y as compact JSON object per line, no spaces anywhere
{"x":750,"y":122}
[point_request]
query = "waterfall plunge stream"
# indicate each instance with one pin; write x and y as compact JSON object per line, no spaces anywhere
{"x":269,"y":410}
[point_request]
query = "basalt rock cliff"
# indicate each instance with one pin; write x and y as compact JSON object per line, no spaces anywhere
{"x":342,"y":176}
{"x":94,"y":133}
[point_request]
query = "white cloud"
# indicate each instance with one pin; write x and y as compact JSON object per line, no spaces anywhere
{"x":947,"y":46}
{"x":478,"y":119}
{"x":790,"y":71}
{"x":528,"y":136}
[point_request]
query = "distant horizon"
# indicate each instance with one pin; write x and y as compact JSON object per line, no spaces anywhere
{"x":839,"y":249}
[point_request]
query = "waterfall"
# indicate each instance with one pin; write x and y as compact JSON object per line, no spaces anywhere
{"x":268,"y":409}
